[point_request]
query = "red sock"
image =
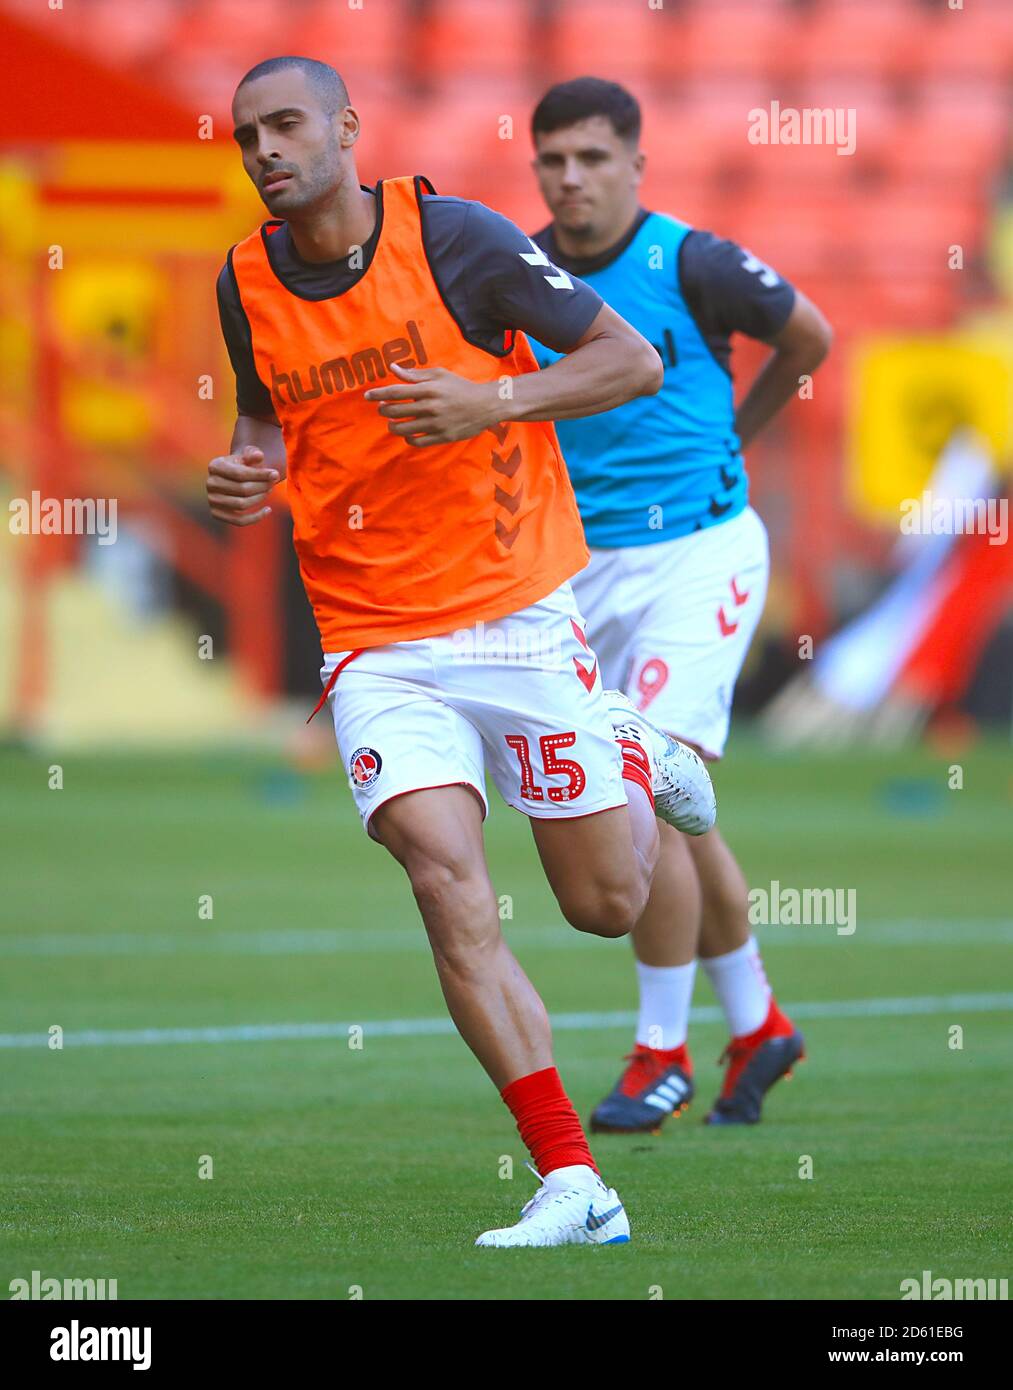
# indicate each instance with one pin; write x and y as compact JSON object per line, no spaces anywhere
{"x":547,"y":1121}
{"x":637,"y":766}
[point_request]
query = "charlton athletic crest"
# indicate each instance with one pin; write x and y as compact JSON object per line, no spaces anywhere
{"x":365,"y":767}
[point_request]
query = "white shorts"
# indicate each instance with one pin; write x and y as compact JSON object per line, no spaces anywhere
{"x":521,"y":696}
{"x":671,"y":622}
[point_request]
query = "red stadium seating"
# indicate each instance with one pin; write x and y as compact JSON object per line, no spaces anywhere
{"x":370,"y":41}
{"x":607,"y":38}
{"x":859,"y":36}
{"x":711,"y":112}
{"x":898,"y":237}
{"x":799,"y":239}
{"x":866,"y":236}
{"x":959,"y":145}
{"x":134,"y":33}
{"x":723,"y":40}
{"x":475,"y":38}
{"x":972,"y":42}
{"x":457,"y":142}
{"x":240,"y":32}
{"x":965,"y":101}
{"x":516,"y":195}
{"x":681,"y":147}
{"x":925,"y":81}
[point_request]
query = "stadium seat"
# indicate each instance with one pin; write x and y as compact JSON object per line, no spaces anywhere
{"x":127,"y":33}
{"x":117,"y":32}
{"x":962,"y":146}
{"x":514,"y":194}
{"x":372,"y":39}
{"x":208,"y":84}
{"x":608,"y":38}
{"x":900,"y":236}
{"x":876,"y":113}
{"x":452,"y":143}
{"x":801,"y":166}
{"x":712,"y":109}
{"x":920,"y":303}
{"x":689,"y":137}
{"x":865,"y":37}
{"x":963,"y":101}
{"x":874,"y":98}
{"x":975,"y":43}
{"x":237,"y":32}
{"x":381,"y":150}
{"x":475,"y":37}
{"x":679,"y":152}
{"x":803,"y":240}
{"x":727,"y":40}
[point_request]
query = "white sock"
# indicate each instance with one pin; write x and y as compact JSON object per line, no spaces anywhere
{"x":576,"y":1175}
{"x":741,"y":986}
{"x":665,"y":994}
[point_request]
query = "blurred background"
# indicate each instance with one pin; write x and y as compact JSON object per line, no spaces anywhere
{"x":202,"y":910}
{"x":121,"y":191}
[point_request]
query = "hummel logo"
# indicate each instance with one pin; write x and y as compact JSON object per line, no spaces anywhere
{"x":587,"y":678}
{"x":595,"y":1223}
{"x":768,"y":277}
{"x":339,"y":374}
{"x":536,"y":256}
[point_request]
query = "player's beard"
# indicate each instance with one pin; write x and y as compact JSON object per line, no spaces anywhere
{"x":577,"y":224}
{"x":580,"y":231}
{"x":314,"y":185}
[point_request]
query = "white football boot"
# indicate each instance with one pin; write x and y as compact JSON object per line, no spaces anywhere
{"x":572,"y":1207}
{"x":683,"y":791}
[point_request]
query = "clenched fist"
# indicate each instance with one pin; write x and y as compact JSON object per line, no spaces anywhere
{"x":238,"y":484}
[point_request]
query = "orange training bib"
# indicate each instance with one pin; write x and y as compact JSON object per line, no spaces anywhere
{"x":396,"y":542}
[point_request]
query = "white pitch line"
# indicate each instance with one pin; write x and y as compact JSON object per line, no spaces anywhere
{"x":428,"y":1027}
{"x":981,"y":931}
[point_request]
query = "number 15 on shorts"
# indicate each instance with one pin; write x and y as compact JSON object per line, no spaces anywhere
{"x":552,"y":766}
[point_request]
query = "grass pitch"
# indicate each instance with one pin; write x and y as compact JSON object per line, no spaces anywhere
{"x":337,"y":1168}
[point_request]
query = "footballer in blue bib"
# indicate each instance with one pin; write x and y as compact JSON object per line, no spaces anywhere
{"x":679,"y":564}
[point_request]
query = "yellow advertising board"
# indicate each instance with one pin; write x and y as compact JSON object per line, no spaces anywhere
{"x":908,"y":397}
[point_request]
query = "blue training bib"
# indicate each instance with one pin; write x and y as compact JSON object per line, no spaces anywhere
{"x":660,"y":466}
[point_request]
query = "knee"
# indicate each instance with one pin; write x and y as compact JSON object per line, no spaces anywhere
{"x":458,"y":908}
{"x":446,"y":881}
{"x":605,"y":909}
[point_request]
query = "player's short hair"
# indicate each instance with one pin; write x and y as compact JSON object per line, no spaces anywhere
{"x":327,"y":82}
{"x":569,"y":102}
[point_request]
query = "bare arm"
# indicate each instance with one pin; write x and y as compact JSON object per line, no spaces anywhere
{"x":238,"y":482}
{"x":609,"y":365}
{"x":799,"y":348}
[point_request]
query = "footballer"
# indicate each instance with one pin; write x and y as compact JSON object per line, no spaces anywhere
{"x":377,"y":336}
{"x":679,"y":561}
